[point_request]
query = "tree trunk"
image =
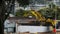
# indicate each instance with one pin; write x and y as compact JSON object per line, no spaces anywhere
{"x":2,"y":16}
{"x":1,"y":27}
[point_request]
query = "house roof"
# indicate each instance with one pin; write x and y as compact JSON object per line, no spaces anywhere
{"x":21,"y":19}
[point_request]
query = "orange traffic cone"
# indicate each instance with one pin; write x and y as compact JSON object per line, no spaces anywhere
{"x":54,"y":30}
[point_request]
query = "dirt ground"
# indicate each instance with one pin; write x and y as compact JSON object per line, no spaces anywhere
{"x":58,"y":32}
{"x":38,"y":33}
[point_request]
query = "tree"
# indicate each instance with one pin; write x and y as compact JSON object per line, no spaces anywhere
{"x":4,"y":12}
{"x":58,"y":14}
{"x":24,"y":13}
{"x":20,"y":13}
{"x":49,"y":12}
{"x":23,"y":3}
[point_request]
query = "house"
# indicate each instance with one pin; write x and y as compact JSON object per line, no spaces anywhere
{"x":27,"y":25}
{"x":9,"y":26}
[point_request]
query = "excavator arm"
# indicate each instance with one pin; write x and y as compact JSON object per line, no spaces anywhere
{"x":38,"y":16}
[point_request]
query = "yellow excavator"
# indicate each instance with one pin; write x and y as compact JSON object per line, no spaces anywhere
{"x":41,"y":18}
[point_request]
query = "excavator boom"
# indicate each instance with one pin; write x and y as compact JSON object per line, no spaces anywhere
{"x":39,"y":17}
